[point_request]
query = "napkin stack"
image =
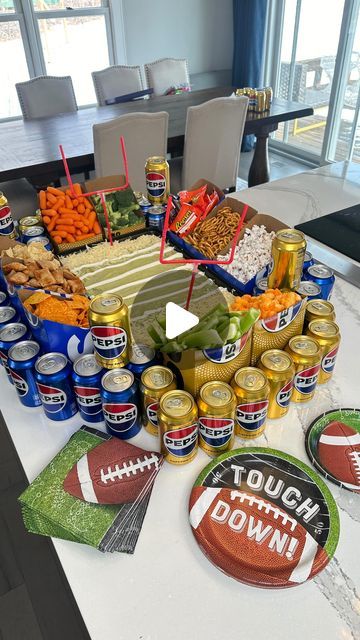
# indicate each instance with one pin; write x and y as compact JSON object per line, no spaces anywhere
{"x":50,"y":510}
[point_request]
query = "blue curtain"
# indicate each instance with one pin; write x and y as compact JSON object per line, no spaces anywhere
{"x":249,"y":36}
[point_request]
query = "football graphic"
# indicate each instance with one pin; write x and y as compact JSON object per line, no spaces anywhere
{"x":114,"y":472}
{"x":252,"y":539}
{"x":339,"y":453}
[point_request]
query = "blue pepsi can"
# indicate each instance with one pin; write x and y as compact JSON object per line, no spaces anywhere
{"x":4,"y":299}
{"x":120,"y":398}
{"x":308,"y":261}
{"x":53,"y":378}
{"x":155,"y":217}
{"x":10,"y":335}
{"x":260,"y":287}
{"x":309,"y":290}
{"x":86,"y":377}
{"x":324,"y":277}
{"x":43,"y":240}
{"x":141,"y":357}
{"x":143,"y":202}
{"x":8,"y":314}
{"x":21,"y":362}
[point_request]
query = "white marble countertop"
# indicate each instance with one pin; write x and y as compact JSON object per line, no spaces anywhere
{"x":168,"y":589}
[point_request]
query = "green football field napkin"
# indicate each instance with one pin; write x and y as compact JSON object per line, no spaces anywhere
{"x":49,"y":510}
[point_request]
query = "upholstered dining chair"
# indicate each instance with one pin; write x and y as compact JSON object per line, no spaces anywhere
{"x":165,"y":73}
{"x":46,"y":96}
{"x":115,"y":81}
{"x":145,"y":135}
{"x":213,"y":135}
{"x":21,"y":196}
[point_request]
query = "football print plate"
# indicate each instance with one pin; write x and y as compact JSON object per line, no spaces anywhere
{"x":333,"y":445}
{"x":264,"y":518}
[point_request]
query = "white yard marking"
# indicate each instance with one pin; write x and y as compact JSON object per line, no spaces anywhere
{"x":86,"y":484}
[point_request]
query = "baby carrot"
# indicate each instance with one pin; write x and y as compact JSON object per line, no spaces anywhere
{"x":75,"y":203}
{"x":52,"y":223}
{"x":42,"y":199}
{"x":65,"y":227}
{"x":77,"y":189}
{"x":49,"y":212}
{"x":70,"y":237}
{"x":58,"y":239}
{"x":96,"y":227}
{"x":56,"y":192}
{"x":46,"y":220}
{"x":87,"y":204}
{"x":58,"y":204}
{"x":66,"y":210}
{"x":68,"y":202}
{"x":51,"y":198}
{"x":83,"y":236}
{"x":91,"y":219}
{"x":81,"y":208}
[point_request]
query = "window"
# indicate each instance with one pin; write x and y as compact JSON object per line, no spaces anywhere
{"x":318,"y":63}
{"x":52,"y":37}
{"x":13,"y":67}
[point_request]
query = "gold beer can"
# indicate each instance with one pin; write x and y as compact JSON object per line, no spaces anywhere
{"x":155,"y":381}
{"x":318,"y":310}
{"x":279,"y":370}
{"x":157,"y":175}
{"x":110,"y":330}
{"x":269,"y":97}
{"x":260,"y":101}
{"x":287,"y":258}
{"x":306,"y":354}
{"x":178,"y":427}
{"x":216,"y":407}
{"x":327,"y":335}
{"x":252,"y":397}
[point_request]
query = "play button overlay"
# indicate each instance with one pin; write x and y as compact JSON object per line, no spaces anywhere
{"x":178,"y":320}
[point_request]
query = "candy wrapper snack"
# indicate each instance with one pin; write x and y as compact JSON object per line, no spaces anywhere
{"x":213,"y":350}
{"x":281,"y":318}
{"x":194,"y":205}
{"x":58,"y":322}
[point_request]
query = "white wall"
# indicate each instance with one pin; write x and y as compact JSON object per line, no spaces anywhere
{"x":199,"y":30}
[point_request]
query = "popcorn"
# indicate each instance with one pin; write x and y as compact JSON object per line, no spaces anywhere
{"x":252,"y":253}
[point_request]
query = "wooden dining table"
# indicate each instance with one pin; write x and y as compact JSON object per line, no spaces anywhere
{"x":30,"y":148}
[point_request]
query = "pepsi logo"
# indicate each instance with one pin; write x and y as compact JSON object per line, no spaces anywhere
{"x":32,"y":318}
{"x":227,"y":352}
{"x":53,"y":399}
{"x":6,"y":222}
{"x":20,"y":384}
{"x":88,"y":399}
{"x":181,"y":442}
{"x":155,"y":184}
{"x":329,"y":359}
{"x":109,"y":342}
{"x":151,"y":412}
{"x":216,"y":431}
{"x":305,"y":380}
{"x":252,"y":415}
{"x":283,"y":396}
{"x":282,"y":319}
{"x":79,"y":343}
{"x":120,"y":416}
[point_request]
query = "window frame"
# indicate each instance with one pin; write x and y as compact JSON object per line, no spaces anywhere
{"x":272,"y":57}
{"x":28,"y":18}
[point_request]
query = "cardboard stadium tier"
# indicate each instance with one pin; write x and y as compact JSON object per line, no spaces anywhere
{"x":194,"y":367}
{"x":275,"y":332}
{"x":70,"y":339}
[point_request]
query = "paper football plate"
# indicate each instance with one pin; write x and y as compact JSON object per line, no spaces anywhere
{"x":333,"y":445}
{"x":264,"y":518}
